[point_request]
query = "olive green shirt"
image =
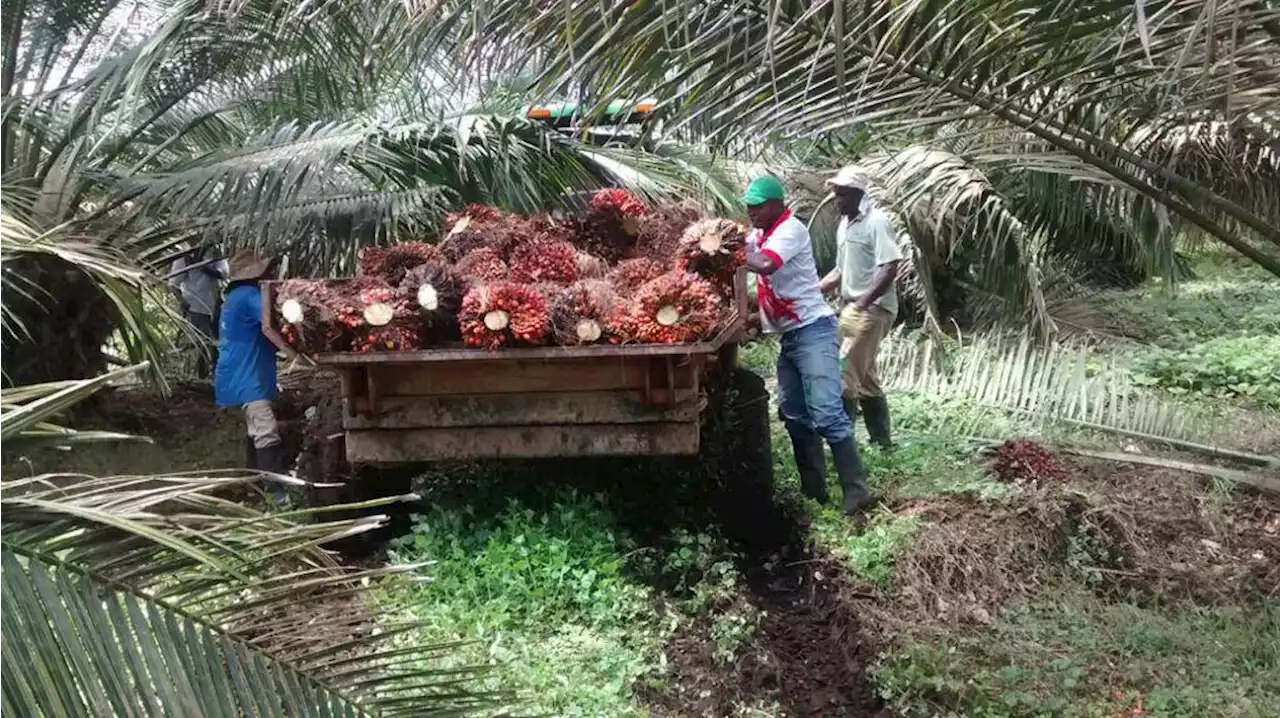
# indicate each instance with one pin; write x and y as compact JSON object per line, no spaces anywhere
{"x":865,"y":244}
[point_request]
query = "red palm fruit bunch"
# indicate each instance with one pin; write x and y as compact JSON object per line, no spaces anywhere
{"x":590,"y":266}
{"x":617,"y":200}
{"x":460,"y":244}
{"x":580,"y":312}
{"x":632,"y":274}
{"x":474,"y":227}
{"x":1023,"y":460}
{"x":390,"y":322}
{"x":661,"y":228}
{"x":483,"y":264}
{"x":436,"y":289}
{"x":713,"y":249}
{"x":612,"y":224}
{"x":390,"y":263}
{"x":473,"y":213}
{"x":380,"y":303}
{"x":314,"y":317}
{"x":503,"y":314}
{"x":544,"y":261}
{"x":400,"y":337}
{"x":620,"y":324}
{"x":675,"y":308}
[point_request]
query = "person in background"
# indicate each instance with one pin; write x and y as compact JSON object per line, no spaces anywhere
{"x":791,"y":305}
{"x":866,"y":271}
{"x":246,"y":371}
{"x":196,"y":281}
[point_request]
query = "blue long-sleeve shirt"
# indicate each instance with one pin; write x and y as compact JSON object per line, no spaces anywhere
{"x":246,"y":359}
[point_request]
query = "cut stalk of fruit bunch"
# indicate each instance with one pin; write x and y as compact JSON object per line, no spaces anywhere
{"x":667,"y":316}
{"x":379,"y":314}
{"x":428,"y":297}
{"x":496,"y":320}
{"x":589,"y":331}
{"x":292,"y":311}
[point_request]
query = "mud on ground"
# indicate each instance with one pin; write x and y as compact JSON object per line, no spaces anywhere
{"x":806,"y":658}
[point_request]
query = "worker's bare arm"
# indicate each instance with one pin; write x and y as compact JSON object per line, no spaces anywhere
{"x":762,"y":263}
{"x":886,"y":275}
{"x":831,"y":282}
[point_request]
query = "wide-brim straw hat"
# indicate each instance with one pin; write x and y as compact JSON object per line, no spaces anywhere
{"x":248,"y":265}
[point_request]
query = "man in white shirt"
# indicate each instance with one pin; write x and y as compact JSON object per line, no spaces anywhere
{"x":866,"y":271}
{"x":196,"y":281}
{"x":791,"y":305}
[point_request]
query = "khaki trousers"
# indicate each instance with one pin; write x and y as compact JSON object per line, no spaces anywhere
{"x":861,"y":332}
{"x":260,"y":417}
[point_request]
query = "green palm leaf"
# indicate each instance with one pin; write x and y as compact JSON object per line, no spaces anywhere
{"x":1054,"y":385}
{"x":151,"y":595}
{"x":1074,"y":77}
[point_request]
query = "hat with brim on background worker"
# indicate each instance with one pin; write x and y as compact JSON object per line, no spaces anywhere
{"x":247,"y":266}
{"x":763,"y":189}
{"x":850,"y":177}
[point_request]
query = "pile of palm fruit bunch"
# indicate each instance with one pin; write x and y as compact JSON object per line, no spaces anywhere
{"x":623,"y":272}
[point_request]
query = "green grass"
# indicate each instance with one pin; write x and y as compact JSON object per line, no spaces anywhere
{"x":1226,"y":300}
{"x":1069,"y":653}
{"x":543,"y":595}
{"x":867,"y":554}
{"x":1223,"y":367}
{"x":568,"y":609}
{"x":1216,"y":336}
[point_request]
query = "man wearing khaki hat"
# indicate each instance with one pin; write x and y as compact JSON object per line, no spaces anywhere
{"x":866,"y":271}
{"x":246,"y":371}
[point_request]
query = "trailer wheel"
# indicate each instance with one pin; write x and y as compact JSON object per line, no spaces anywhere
{"x":745,"y":503}
{"x":323,"y":460}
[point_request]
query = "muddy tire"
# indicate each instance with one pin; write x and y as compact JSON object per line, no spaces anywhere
{"x":743,"y":450}
{"x":323,"y":460}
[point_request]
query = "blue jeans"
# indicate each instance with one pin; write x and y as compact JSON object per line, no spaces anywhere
{"x":809,"y":380}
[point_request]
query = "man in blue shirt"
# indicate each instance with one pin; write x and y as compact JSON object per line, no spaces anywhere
{"x":246,"y":371}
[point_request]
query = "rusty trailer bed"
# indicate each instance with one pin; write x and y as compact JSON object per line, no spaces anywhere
{"x":458,"y":403}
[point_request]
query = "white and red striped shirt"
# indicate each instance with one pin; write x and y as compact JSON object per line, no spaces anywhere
{"x":791,"y":297}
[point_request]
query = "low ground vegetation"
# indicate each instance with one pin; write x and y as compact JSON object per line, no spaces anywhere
{"x":1105,"y":589}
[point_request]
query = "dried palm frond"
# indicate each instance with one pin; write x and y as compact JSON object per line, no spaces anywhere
{"x":1052,"y":384}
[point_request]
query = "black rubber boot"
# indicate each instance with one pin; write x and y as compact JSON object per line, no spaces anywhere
{"x":250,"y":454}
{"x":810,"y":461}
{"x":851,"y":408}
{"x":271,"y":460}
{"x":875,"y":412}
{"x":853,"y":477}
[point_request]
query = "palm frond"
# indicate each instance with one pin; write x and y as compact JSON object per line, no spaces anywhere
{"x":1074,"y":76}
{"x":1053,"y":385}
{"x":31,"y":260}
{"x":26,"y":409}
{"x":145,"y":594}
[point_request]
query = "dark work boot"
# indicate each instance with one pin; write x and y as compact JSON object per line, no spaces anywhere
{"x":271,"y":460}
{"x":250,"y":453}
{"x":853,"y":477}
{"x":875,"y":411}
{"x":851,"y":408}
{"x":810,"y":460}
